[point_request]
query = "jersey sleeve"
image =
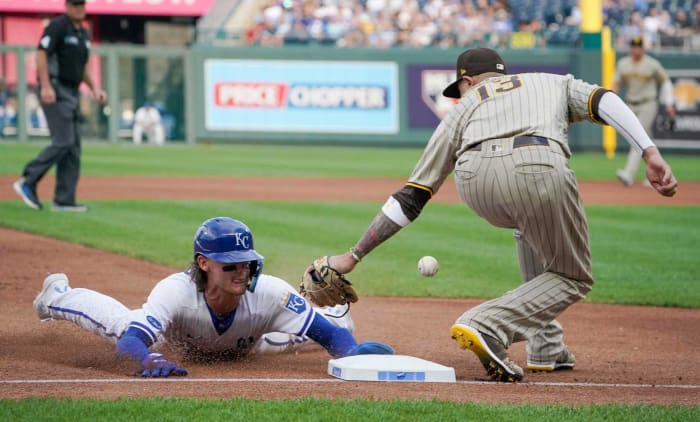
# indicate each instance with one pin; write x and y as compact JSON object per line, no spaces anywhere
{"x":440,"y":154}
{"x":582,"y":97}
{"x":290,"y":312}
{"x":51,"y":36}
{"x":161,"y":308}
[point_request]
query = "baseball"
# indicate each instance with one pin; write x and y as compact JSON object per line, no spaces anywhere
{"x":428,"y":266}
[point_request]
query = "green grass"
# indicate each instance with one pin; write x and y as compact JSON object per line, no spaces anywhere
{"x":641,"y":255}
{"x":283,"y":160}
{"x":630,"y":254}
{"x":326,"y":410}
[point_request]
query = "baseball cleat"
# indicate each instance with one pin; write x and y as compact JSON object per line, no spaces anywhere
{"x":489,"y":351}
{"x":54,"y":284}
{"x":566,"y":360}
{"x":624,"y":178}
{"x":27,"y":193}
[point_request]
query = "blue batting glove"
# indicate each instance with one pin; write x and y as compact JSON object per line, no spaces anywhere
{"x":155,"y":365}
{"x":371,"y":348}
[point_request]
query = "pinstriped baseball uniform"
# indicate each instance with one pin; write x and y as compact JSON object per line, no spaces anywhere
{"x":506,"y":140}
{"x":641,"y":81}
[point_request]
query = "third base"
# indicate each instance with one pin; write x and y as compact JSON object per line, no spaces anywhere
{"x":389,"y":368}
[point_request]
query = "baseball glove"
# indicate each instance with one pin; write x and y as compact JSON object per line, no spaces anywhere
{"x":324,"y":286}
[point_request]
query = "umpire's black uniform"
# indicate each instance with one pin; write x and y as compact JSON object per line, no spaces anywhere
{"x":67,"y":50}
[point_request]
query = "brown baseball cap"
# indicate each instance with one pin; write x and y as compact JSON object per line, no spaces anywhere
{"x":475,"y":62}
{"x":637,"y":42}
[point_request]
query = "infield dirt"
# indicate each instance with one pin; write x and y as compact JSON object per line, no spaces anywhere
{"x":625,"y":354}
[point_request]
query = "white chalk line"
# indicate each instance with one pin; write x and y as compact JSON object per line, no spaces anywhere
{"x":327,"y":380}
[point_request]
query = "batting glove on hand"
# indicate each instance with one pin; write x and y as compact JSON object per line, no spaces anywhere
{"x":155,"y":365}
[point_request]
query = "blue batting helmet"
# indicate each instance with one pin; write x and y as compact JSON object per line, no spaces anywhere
{"x":225,"y":240}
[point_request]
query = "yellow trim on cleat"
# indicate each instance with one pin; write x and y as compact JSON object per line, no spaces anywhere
{"x":498,"y":369}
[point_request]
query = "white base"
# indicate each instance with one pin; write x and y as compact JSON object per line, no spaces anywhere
{"x":389,"y":368}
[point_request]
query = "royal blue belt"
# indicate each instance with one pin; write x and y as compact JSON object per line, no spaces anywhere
{"x":519,"y":141}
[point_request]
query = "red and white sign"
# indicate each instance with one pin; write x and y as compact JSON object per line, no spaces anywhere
{"x":250,"y":94}
{"x":114,"y":7}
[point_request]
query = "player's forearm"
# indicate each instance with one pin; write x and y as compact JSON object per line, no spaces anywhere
{"x":87,"y":78}
{"x":617,"y":114}
{"x":132,"y":345}
{"x":336,"y":340}
{"x":404,"y":206}
{"x":381,"y":229}
{"x":666,"y":93}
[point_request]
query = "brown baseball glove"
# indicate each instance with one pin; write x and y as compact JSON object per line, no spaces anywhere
{"x":324,"y":286}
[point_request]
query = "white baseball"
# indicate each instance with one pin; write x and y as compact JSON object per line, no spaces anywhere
{"x":428,"y":266}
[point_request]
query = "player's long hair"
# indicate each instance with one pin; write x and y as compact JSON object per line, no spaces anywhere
{"x":198,"y":276}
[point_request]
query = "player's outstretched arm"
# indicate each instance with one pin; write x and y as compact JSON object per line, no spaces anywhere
{"x":134,"y":346}
{"x":339,"y":342}
{"x":617,"y":114}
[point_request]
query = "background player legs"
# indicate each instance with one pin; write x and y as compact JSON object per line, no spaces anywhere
{"x":68,"y":167}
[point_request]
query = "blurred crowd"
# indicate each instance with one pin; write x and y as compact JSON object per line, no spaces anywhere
{"x":462,"y":23}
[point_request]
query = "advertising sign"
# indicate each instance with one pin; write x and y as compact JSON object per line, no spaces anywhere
{"x":684,"y":132}
{"x":301,"y":96}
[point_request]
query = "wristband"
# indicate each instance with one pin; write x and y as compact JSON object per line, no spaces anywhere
{"x":355,"y":255}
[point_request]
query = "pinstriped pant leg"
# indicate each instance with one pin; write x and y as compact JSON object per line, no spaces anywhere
{"x":548,"y":343}
{"x":537,"y":194}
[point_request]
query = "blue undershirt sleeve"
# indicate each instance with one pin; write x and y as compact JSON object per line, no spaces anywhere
{"x":134,"y":344}
{"x":338,"y":341}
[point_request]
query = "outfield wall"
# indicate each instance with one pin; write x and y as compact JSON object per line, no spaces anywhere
{"x":335,"y":96}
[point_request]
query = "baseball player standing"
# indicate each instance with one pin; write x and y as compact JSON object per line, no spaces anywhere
{"x":61,"y":63}
{"x":643,"y":79}
{"x":506,"y":141}
{"x":221,"y":307}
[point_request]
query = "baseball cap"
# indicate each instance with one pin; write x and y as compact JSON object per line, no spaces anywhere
{"x":637,"y":42}
{"x":75,"y":1}
{"x":475,"y":62}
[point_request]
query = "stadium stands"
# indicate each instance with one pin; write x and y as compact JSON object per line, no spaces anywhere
{"x":449,"y":23}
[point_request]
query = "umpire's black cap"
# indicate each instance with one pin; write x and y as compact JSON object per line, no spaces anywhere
{"x":475,"y":62}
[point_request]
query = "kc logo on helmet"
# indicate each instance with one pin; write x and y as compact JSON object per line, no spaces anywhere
{"x":242,"y":239}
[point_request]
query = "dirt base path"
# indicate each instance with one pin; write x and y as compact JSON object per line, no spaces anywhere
{"x":625,"y":354}
{"x":335,"y":189}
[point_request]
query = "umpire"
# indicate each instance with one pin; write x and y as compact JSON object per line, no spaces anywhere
{"x":61,"y":62}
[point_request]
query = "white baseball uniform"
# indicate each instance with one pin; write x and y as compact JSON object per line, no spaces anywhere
{"x":147,"y":120}
{"x":176,"y":313}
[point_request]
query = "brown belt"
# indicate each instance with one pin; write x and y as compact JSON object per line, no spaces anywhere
{"x":519,"y":141}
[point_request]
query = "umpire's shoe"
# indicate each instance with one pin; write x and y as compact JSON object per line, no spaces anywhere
{"x":27,"y":193}
{"x":54,"y":285}
{"x":490,"y":352}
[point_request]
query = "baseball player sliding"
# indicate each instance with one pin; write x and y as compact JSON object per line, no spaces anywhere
{"x":506,"y":141}
{"x":221,"y":307}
